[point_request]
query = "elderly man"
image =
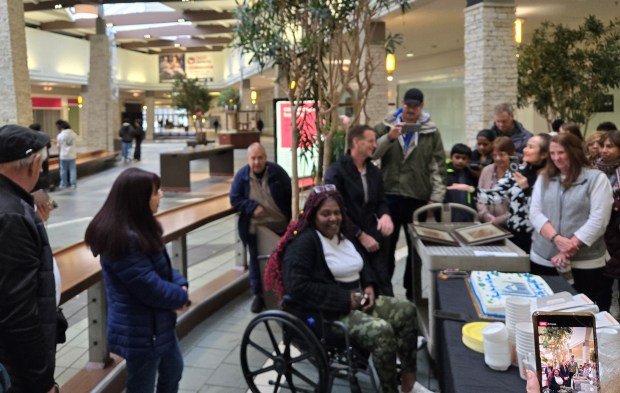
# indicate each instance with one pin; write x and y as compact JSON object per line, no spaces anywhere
{"x":261,"y":193}
{"x":413,"y":163}
{"x":361,"y":184}
{"x":506,"y":125}
{"x":27,"y":289}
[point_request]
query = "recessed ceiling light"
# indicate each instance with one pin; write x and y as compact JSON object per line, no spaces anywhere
{"x":177,"y":45}
{"x":147,"y":36}
{"x":109,"y":24}
{"x":181,"y":20}
{"x":58,"y":6}
{"x":409,"y":55}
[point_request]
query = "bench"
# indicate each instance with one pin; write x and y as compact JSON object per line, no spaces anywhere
{"x":239,"y":140}
{"x":81,"y":271}
{"x":86,"y":163}
{"x":196,"y":143}
{"x":175,"y":169}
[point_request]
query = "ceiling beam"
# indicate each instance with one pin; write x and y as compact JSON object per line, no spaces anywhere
{"x":141,"y":19}
{"x":166,"y":51}
{"x":173,"y":31}
{"x":50,"y":5}
{"x":186,"y":42}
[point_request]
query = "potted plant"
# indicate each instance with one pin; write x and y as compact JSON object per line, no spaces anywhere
{"x":191,"y":95}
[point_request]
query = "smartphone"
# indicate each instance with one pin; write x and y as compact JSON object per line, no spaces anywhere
{"x":565,"y":336}
{"x":410,"y":127}
{"x":514,"y":164}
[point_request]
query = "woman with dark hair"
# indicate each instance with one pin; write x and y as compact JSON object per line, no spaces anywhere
{"x":571,"y":128}
{"x":319,"y":269}
{"x":503,"y":148}
{"x":570,"y":209}
{"x":142,"y":289}
{"x":518,"y":189}
{"x":482,"y":155}
{"x":609,"y":164}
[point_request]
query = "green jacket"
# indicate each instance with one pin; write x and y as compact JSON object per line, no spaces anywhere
{"x":419,"y":173}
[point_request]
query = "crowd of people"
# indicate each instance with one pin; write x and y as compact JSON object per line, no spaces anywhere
{"x":558,"y":194}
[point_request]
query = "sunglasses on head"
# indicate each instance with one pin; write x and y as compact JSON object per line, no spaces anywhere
{"x":325,"y":188}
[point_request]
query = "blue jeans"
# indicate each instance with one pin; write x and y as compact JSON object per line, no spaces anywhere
{"x":141,"y":373}
{"x":68,"y":166}
{"x":126,"y":149}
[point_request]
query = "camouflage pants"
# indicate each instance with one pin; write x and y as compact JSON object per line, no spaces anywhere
{"x":390,"y":329}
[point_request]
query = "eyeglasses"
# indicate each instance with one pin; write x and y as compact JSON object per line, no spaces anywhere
{"x":325,"y":188}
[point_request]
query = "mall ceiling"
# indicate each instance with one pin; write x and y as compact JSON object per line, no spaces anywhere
{"x":182,"y":26}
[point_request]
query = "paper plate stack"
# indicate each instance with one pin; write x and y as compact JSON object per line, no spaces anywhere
{"x":472,"y":335}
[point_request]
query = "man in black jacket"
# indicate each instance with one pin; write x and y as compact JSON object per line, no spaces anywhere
{"x":27,"y":289}
{"x":361,"y":184}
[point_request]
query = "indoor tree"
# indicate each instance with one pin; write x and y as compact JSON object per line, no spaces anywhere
{"x":566,"y":72}
{"x":193,"y":96}
{"x":321,"y":51}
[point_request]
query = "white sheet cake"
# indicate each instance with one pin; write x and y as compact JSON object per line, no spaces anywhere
{"x":492,"y":288}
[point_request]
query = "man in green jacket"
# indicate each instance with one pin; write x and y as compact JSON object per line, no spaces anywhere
{"x":414,"y":170}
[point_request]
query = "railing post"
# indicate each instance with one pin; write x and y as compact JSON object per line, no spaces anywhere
{"x":241,"y":259}
{"x":98,"y":353}
{"x":179,"y":255}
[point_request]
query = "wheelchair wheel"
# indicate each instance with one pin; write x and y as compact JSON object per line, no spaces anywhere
{"x":279,"y":352}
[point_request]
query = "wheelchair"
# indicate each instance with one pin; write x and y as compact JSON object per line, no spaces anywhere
{"x":280,"y":351}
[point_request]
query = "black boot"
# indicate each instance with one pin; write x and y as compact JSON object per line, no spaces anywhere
{"x":258,"y":304}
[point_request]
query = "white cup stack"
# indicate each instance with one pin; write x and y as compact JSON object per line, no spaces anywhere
{"x":517,"y":310}
{"x":496,"y":346}
{"x":525,"y":346}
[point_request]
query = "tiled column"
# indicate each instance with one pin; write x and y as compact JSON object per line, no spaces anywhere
{"x":149,"y":101}
{"x":101,"y":109}
{"x":16,"y":104}
{"x":377,"y":102}
{"x":490,"y":61}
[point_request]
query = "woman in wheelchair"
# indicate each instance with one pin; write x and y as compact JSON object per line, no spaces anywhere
{"x":319,"y":268}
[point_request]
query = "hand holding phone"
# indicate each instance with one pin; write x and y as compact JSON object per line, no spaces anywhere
{"x":563,"y":338}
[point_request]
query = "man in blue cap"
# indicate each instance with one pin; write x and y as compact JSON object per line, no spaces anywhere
{"x":27,"y":288}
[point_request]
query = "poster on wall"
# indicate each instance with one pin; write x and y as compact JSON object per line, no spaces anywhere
{"x":199,"y":65}
{"x":306,"y":122}
{"x":170,"y":66}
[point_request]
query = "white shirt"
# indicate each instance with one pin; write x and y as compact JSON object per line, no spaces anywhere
{"x":342,"y":258}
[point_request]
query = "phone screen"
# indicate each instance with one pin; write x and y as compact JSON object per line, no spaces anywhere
{"x":566,"y":351}
{"x":412,"y":127}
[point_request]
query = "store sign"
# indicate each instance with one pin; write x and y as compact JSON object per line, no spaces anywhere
{"x":306,"y":122}
{"x":199,"y":65}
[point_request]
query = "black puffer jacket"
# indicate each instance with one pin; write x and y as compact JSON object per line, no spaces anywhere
{"x":27,"y":293}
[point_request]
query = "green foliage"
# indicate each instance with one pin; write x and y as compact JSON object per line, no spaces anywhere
{"x":392,"y":41}
{"x":338,"y":143}
{"x":565,"y":73}
{"x":190,"y":95}
{"x":556,"y":339}
{"x":228,"y":97}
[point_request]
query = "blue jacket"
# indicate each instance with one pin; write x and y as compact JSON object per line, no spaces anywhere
{"x":279,"y":186}
{"x":143,"y":293}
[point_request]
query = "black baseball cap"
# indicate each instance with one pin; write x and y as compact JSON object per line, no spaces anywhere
{"x":17,"y":142}
{"x":413,"y":97}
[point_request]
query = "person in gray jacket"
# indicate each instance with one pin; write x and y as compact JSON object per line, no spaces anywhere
{"x":506,"y":125}
{"x":570,"y":208}
{"x":413,"y":163}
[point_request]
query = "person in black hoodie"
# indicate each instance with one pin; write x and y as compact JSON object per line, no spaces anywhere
{"x":459,"y":172}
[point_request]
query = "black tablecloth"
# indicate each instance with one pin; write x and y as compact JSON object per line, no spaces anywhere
{"x":462,"y":370}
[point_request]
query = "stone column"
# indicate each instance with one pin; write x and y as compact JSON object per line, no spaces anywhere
{"x":149,"y":101}
{"x":246,"y":119}
{"x":377,"y":102}
{"x":16,"y":104}
{"x":490,"y":61}
{"x":101,"y":108}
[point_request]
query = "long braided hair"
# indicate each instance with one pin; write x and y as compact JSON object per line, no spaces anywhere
{"x":273,"y":270}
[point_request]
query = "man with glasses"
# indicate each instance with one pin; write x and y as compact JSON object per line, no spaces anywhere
{"x":506,"y":125}
{"x":413,"y":163}
{"x":28,"y":305}
{"x":261,"y":193}
{"x":360,"y":183}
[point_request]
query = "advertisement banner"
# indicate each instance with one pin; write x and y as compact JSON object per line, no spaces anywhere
{"x":306,"y":123}
{"x":171,"y":66}
{"x":199,"y":65}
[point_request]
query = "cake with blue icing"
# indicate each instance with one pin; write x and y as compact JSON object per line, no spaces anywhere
{"x":491,"y":289}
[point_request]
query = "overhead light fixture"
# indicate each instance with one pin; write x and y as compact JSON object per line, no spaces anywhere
{"x":181,"y":20}
{"x":147,"y":36}
{"x":253,"y":96}
{"x":57,"y":6}
{"x":390,"y":65}
{"x":409,"y":55}
{"x":518,"y":30}
{"x":85,"y":11}
{"x":48,"y":88}
{"x":177,"y":45}
{"x":109,"y":24}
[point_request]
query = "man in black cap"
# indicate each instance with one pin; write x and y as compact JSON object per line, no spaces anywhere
{"x":28,"y":304}
{"x":413,"y":163}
